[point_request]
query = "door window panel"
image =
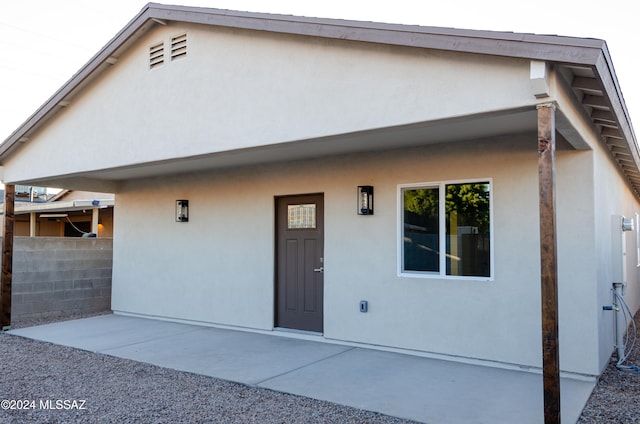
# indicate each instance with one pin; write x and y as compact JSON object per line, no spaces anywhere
{"x":301,"y":216}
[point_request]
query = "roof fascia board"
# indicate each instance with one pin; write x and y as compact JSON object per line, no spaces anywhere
{"x":566,"y":49}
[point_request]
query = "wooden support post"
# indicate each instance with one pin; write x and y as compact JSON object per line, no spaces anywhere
{"x":95,"y":219}
{"x":7,"y":257}
{"x":32,"y":224}
{"x":548,"y":262}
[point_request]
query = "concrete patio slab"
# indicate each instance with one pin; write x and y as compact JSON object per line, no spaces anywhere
{"x":430,"y":390}
{"x":401,"y":385}
{"x":103,"y":332}
{"x":231,"y":355}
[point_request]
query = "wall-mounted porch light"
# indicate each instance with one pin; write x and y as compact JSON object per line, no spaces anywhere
{"x":365,"y":200}
{"x":182,"y":211}
{"x":627,"y":224}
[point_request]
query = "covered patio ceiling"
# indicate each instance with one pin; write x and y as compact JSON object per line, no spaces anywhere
{"x":391,"y":138}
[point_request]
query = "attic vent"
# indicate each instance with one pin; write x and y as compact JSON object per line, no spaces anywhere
{"x":178,"y":46}
{"x":156,"y":55}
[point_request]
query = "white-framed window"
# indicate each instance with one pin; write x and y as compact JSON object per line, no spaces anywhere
{"x":445,"y":229}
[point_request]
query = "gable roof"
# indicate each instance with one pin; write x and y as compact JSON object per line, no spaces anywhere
{"x":586,"y":61}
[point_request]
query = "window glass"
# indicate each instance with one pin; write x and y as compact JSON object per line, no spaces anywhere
{"x":448,"y":218}
{"x":421,"y":235}
{"x":467,"y":229}
{"x":301,"y":216}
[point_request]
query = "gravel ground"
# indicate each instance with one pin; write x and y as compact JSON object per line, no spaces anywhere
{"x":113,"y":390}
{"x":124,"y":391}
{"x":616,"y":398}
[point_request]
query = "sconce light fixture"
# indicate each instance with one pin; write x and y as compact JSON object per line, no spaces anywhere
{"x":182,"y":211}
{"x":365,"y":200}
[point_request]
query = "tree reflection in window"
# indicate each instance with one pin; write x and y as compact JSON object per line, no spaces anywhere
{"x":464,"y":220}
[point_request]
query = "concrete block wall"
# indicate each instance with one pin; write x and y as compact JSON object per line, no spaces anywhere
{"x":55,"y":276}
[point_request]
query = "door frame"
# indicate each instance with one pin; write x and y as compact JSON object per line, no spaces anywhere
{"x":319,"y":198}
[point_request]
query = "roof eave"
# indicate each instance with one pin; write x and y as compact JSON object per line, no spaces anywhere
{"x":58,"y":98}
{"x":567,"y":50}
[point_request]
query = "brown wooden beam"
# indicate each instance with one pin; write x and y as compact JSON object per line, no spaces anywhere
{"x":617,"y":150}
{"x":606,"y":124}
{"x":548,"y":262}
{"x":603,"y":115}
{"x":590,"y":85}
{"x":7,"y":257}
{"x":625,"y":160}
{"x":612,"y":141}
{"x":612,"y":133}
{"x":598,"y":102}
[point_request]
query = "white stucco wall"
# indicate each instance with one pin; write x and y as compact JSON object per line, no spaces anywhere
{"x":238,"y":89}
{"x":219,"y":267}
{"x":613,"y":197}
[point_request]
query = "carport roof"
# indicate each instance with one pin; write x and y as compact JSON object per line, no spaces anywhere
{"x":586,"y":62}
{"x":61,"y":206}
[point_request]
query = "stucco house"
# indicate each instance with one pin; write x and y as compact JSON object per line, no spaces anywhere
{"x":355,"y":181}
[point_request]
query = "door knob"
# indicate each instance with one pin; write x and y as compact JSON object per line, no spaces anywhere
{"x":321,"y":269}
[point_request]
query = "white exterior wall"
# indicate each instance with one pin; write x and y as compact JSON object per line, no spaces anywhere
{"x":238,"y":89}
{"x":613,"y":197}
{"x":219,"y":267}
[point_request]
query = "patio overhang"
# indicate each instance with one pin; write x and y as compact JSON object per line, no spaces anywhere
{"x":496,"y":124}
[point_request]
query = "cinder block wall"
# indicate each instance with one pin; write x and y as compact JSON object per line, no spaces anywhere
{"x":55,"y":276}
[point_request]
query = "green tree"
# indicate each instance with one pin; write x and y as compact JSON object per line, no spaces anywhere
{"x":422,"y":201}
{"x":471,"y":203}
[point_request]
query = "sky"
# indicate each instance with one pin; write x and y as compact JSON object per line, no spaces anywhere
{"x":44,"y":42}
